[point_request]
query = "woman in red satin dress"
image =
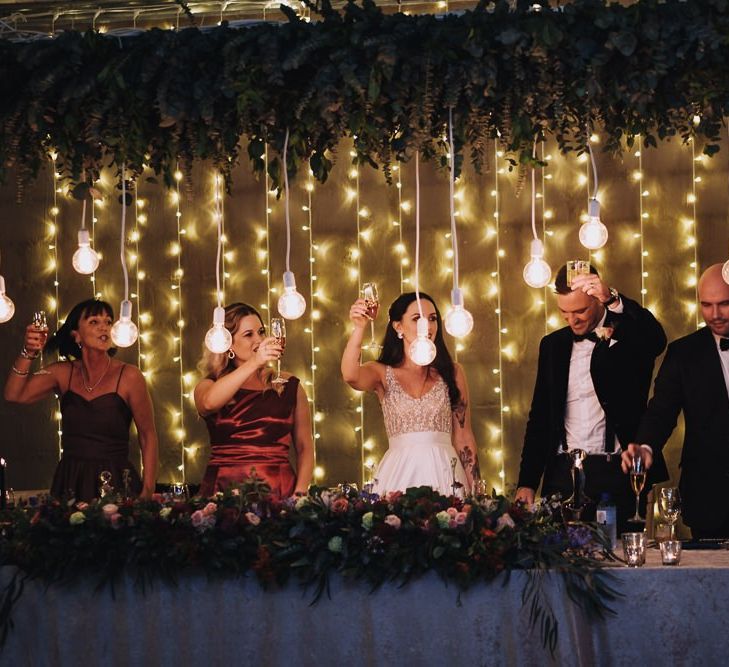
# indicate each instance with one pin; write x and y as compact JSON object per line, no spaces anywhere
{"x":252,"y":424}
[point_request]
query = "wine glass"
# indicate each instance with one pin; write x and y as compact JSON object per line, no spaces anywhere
{"x":278,"y":331}
{"x":669,"y":501}
{"x":372,"y":303}
{"x":637,"y":482}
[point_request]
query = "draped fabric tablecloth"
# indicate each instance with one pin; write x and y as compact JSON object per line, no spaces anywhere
{"x":668,"y":615}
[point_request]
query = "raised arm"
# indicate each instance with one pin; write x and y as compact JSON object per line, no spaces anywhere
{"x":143,"y":415}
{"x":363,"y":377}
{"x":464,"y":441}
{"x":303,"y":442}
{"x":212,"y":395}
{"x":21,"y":385}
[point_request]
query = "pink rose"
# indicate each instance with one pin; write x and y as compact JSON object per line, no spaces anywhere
{"x":452,"y":511}
{"x":461,"y":518}
{"x":252,"y":518}
{"x":82,"y":506}
{"x":116,"y":520}
{"x":197,"y":518}
{"x":505,"y":521}
{"x":340,"y":505}
{"x":209,"y":509}
{"x":452,"y":523}
{"x":393,"y":496}
{"x":110,"y":510}
{"x":393,"y":520}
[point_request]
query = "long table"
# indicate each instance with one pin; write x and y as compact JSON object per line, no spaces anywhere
{"x":668,"y":615}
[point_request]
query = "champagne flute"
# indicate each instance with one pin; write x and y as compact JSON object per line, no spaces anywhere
{"x":577,"y":267}
{"x":40,"y":324}
{"x":669,"y":500}
{"x":278,"y":331}
{"x":637,"y":482}
{"x":372,"y":304}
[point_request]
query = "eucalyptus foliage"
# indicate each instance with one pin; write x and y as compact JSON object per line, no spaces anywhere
{"x":386,"y":80}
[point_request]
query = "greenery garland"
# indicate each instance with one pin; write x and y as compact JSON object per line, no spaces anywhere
{"x":397,"y":538}
{"x":654,"y":68}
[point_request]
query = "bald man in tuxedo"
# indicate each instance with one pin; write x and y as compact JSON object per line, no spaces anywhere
{"x":694,"y":378}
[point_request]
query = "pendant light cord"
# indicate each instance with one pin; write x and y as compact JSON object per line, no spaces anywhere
{"x":218,"y":259}
{"x":417,"y":232}
{"x":123,"y":233}
{"x":286,"y":200}
{"x":454,"y":238}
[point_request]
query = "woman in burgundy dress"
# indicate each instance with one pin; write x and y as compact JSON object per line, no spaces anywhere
{"x":99,"y":398}
{"x":252,"y":423}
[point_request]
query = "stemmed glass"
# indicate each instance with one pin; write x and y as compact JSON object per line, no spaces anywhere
{"x":40,"y":324}
{"x":637,"y":482}
{"x":669,"y":501}
{"x":372,"y":304}
{"x":278,"y":331}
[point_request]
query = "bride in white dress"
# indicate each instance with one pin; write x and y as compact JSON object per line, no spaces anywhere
{"x":426,"y":410}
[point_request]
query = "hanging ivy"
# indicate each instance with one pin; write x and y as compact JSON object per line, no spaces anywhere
{"x":509,"y":70}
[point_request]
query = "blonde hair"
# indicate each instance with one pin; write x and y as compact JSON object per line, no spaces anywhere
{"x":213,"y":365}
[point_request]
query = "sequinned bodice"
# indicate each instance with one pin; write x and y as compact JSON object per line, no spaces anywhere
{"x":405,"y":414}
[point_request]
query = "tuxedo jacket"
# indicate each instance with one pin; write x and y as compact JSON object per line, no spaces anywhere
{"x":691,"y":380}
{"x":621,"y":370}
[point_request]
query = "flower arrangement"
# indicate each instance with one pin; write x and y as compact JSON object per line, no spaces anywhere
{"x":398,"y":537}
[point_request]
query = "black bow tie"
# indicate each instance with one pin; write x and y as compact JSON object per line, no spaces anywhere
{"x":724,"y":344}
{"x":588,"y":336}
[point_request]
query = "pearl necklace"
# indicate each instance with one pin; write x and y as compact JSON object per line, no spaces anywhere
{"x":96,"y":384}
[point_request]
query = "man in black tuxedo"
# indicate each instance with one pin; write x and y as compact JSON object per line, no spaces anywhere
{"x":694,"y":377}
{"x":591,"y":390}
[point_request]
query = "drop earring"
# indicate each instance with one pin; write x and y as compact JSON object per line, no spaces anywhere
{"x":231,"y":354}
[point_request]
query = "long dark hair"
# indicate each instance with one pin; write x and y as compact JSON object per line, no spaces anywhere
{"x":63,"y":340}
{"x":393,"y":348}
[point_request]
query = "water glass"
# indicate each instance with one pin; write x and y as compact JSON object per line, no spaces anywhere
{"x":670,"y":552}
{"x":634,"y":549}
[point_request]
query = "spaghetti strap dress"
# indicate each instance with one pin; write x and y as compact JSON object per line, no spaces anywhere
{"x":94,"y":439}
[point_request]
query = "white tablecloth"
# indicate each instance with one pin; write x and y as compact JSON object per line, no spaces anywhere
{"x":669,"y":615}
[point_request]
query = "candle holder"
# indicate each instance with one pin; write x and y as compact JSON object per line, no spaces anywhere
{"x":634,"y":549}
{"x":671,"y":552}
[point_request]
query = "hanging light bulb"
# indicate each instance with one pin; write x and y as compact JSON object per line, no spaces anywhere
{"x":218,"y":338}
{"x":458,"y":321}
{"x":537,"y":272}
{"x":291,"y":304}
{"x":85,"y":259}
{"x":725,"y":271}
{"x":593,"y":234}
{"x":422,"y":350}
{"x":7,"y":307}
{"x":124,"y":332}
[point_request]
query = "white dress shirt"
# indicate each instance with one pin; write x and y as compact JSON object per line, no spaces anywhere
{"x":584,"y":418}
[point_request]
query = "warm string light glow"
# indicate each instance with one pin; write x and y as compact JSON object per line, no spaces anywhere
{"x":185,"y":379}
{"x":317,"y":417}
{"x":691,"y":232}
{"x":497,"y":433}
{"x":96,"y":203}
{"x":400,"y":248}
{"x":135,"y":259}
{"x":53,"y":302}
{"x":546,"y":214}
{"x":264,"y":254}
{"x":643,"y":194}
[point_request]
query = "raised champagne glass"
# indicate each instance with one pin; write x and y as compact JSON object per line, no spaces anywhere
{"x":637,"y":482}
{"x":40,"y":324}
{"x":669,"y":502}
{"x":577,"y":267}
{"x":372,"y":304}
{"x":278,"y":331}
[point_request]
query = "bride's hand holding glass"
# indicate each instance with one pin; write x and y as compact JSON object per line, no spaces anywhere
{"x":268,"y":351}
{"x":358,"y":314}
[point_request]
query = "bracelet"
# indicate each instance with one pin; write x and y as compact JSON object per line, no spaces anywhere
{"x":27,"y":355}
{"x":19,"y":372}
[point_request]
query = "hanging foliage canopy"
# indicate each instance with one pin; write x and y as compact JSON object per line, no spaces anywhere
{"x":508,"y":70}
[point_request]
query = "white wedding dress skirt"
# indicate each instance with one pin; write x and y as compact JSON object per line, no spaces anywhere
{"x":422,"y":458}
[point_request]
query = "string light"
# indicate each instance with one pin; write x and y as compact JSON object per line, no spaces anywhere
{"x":458,"y":321}
{"x":400,"y":248}
{"x":291,"y":304}
{"x":53,"y":302}
{"x":691,"y":231}
{"x":644,"y":216}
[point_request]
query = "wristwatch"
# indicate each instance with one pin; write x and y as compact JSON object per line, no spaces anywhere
{"x":614,"y":296}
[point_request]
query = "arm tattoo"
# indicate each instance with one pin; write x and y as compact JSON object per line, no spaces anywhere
{"x":469,"y":460}
{"x":459,"y":412}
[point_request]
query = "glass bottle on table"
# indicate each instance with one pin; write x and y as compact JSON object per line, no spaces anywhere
{"x":637,"y":482}
{"x":278,"y":331}
{"x":372,"y":303}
